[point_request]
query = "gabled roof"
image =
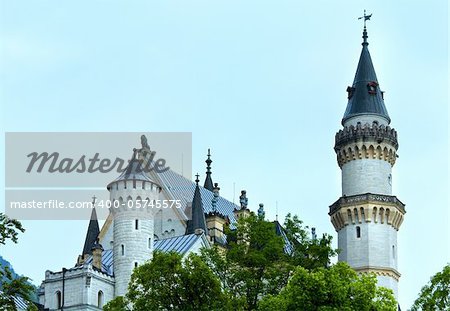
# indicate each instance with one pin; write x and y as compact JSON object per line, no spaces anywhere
{"x":362,"y":99}
{"x":91,"y":234}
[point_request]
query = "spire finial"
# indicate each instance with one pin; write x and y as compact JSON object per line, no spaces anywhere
{"x":94,"y":200}
{"x":208,"y":181}
{"x":197,"y":180}
{"x":365,"y":18}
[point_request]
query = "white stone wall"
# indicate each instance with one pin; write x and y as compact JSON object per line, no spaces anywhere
{"x":388,"y":282}
{"x":363,"y":119}
{"x":366,"y":175}
{"x":377,"y":247}
{"x":79,"y":293}
{"x":373,"y":248}
{"x":137,"y":244}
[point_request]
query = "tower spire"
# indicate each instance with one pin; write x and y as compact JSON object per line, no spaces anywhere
{"x":197,"y":220}
{"x":92,"y":231}
{"x":208,"y":181}
{"x":365,"y":96}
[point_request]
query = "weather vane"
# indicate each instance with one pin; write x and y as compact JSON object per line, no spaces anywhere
{"x":365,"y":17}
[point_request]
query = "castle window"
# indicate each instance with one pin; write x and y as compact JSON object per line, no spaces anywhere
{"x":100,"y":299}
{"x":122,"y":250}
{"x":358,"y":232}
{"x":136,"y":224}
{"x":150,"y":243}
{"x":58,"y":300}
{"x":135,"y":264}
{"x":393,"y":251}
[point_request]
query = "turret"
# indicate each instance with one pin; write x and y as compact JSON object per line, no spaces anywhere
{"x":215,"y":221}
{"x":367,"y":216}
{"x":132,"y":197}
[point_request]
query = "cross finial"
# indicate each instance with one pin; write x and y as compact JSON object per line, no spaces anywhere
{"x":365,"y":17}
{"x":197,"y":180}
{"x":94,"y":199}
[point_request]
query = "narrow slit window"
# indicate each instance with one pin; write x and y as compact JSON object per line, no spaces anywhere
{"x":122,"y":249}
{"x":136,"y":224}
{"x":358,"y":231}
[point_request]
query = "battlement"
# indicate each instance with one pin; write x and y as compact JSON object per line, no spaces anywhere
{"x":366,"y":133}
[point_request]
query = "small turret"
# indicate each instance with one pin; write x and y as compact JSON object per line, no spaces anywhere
{"x":97,"y":251}
{"x":215,"y":221}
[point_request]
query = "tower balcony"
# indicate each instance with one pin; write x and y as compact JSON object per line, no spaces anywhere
{"x":368,"y":207}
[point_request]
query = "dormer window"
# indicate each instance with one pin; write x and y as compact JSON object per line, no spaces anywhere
{"x":350,"y":92}
{"x":372,"y":87}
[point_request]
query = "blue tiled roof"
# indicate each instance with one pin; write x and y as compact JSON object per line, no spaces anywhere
{"x":107,"y":261}
{"x":183,"y":189}
{"x":20,"y":303}
{"x":180,"y":244}
{"x":288,"y":247}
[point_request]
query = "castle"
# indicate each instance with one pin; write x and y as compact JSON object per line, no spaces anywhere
{"x":367,"y":216}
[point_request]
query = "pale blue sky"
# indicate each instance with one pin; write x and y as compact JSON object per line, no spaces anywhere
{"x":261,"y":83}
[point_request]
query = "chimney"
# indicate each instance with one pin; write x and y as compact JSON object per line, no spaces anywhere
{"x":97,"y":250}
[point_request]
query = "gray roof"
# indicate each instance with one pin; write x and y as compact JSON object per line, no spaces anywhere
{"x":135,"y":170}
{"x":183,"y":189}
{"x":180,"y":244}
{"x":361,"y":101}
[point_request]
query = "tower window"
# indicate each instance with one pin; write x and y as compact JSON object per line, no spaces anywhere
{"x":135,"y":264}
{"x":136,"y":224}
{"x":358,"y":231}
{"x":150,"y":243}
{"x":100,"y":299}
{"x":393,"y":251}
{"x":122,"y":250}
{"x":58,"y":300}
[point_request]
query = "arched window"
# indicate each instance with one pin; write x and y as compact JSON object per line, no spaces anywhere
{"x":358,"y":231}
{"x":122,"y":250}
{"x":136,"y":224}
{"x":100,"y":299}
{"x":135,"y":264}
{"x":58,"y":300}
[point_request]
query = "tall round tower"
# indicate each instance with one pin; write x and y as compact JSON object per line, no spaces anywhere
{"x":130,"y":195}
{"x":367,"y":216}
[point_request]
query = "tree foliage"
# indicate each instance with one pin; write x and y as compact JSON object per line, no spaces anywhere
{"x":436,"y":294}
{"x":169,"y":282}
{"x":334,"y":289}
{"x":9,"y":229}
{"x":256,"y":263}
{"x":12,"y":286}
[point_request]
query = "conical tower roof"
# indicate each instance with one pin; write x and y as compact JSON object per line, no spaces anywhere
{"x":198,"y":215}
{"x":92,"y":233}
{"x":365,"y":96}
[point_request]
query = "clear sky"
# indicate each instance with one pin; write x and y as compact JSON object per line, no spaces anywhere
{"x":261,"y":83}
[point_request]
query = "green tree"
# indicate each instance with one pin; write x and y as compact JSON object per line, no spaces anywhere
{"x":256,"y":264}
{"x":338,"y":288}
{"x":436,"y":294}
{"x":12,"y":286}
{"x":169,"y":282}
{"x":307,"y":252}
